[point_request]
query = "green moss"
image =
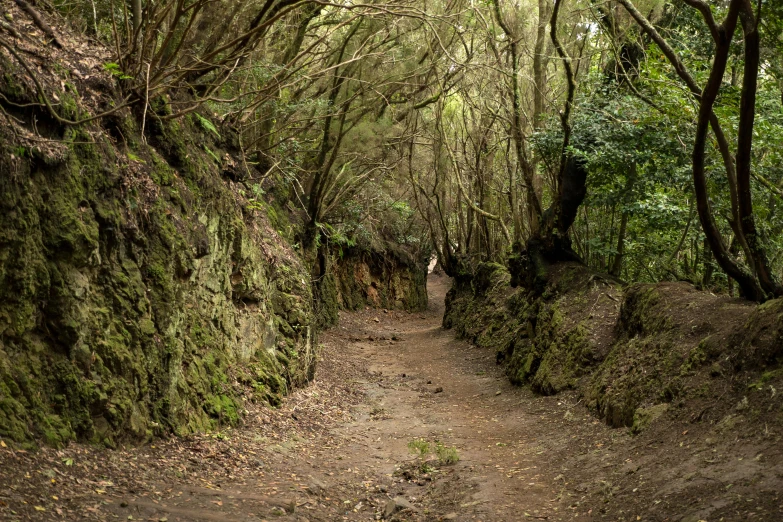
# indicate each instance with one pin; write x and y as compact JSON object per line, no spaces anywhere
{"x":12,"y":420}
{"x":122,"y":316}
{"x":563,"y":362}
{"x":327,"y":301}
{"x":643,"y":417}
{"x":223,"y":408}
{"x":55,"y":431}
{"x":641,"y":312}
{"x":161,"y":173}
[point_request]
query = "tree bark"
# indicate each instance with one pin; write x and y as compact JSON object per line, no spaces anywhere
{"x":747,"y":282}
{"x":517,"y":131}
{"x":617,"y":264}
{"x":572,"y":176}
{"x":744,"y":146}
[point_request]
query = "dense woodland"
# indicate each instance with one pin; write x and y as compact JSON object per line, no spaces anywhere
{"x":642,"y":137}
{"x":193,"y":193}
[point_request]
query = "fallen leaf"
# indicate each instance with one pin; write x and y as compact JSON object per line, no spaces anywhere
{"x":2,"y":444}
{"x":39,"y":508}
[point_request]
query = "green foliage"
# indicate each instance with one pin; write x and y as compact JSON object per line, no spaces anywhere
{"x":420,"y":447}
{"x":446,"y":455}
{"x":207,"y":125}
{"x":134,"y":157}
{"x":115,"y":70}
{"x":212,"y":155}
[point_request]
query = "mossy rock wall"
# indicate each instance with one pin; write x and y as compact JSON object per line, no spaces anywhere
{"x":380,"y":279}
{"x":625,"y":350}
{"x":139,"y":294}
{"x":547,"y":341}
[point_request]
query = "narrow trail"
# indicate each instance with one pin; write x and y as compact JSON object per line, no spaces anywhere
{"x":339,"y":450}
{"x":506,"y":452}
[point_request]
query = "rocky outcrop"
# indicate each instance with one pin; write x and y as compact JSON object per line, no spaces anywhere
{"x":140,"y":292}
{"x":389,"y":279}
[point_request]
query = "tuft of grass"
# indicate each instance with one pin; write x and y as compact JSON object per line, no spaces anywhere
{"x":420,"y":446}
{"x":446,"y":455}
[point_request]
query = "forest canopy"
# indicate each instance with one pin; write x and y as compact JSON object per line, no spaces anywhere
{"x":642,"y":137}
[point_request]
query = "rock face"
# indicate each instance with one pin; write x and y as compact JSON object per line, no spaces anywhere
{"x":360,"y":278}
{"x":140,"y":293}
{"x":394,"y":505}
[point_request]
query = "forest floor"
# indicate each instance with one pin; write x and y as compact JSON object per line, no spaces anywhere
{"x":340,"y":449}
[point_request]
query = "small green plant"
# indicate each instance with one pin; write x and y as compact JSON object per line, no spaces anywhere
{"x":207,"y":125}
{"x":212,"y":154}
{"x":420,"y":446}
{"x":446,"y":455}
{"x":114,"y":70}
{"x":256,"y":201}
{"x":133,"y":157}
{"x":258,"y":190}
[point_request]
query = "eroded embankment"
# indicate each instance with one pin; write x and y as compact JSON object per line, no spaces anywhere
{"x":389,"y":278}
{"x":631,"y":353}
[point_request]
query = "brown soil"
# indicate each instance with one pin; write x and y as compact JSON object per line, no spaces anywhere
{"x":338,"y":450}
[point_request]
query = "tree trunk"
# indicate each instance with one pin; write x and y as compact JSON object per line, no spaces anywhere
{"x":136,"y":14}
{"x":572,"y":176}
{"x":748,"y":284}
{"x":617,"y":265}
{"x":744,"y":144}
{"x":517,"y":131}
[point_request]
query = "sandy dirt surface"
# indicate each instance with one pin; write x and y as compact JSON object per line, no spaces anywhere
{"x":395,"y":402}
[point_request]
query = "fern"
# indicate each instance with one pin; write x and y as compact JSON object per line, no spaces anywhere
{"x":212,"y":154}
{"x":207,"y":125}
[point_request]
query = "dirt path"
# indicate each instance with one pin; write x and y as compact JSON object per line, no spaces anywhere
{"x":339,"y":450}
{"x":431,"y":387}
